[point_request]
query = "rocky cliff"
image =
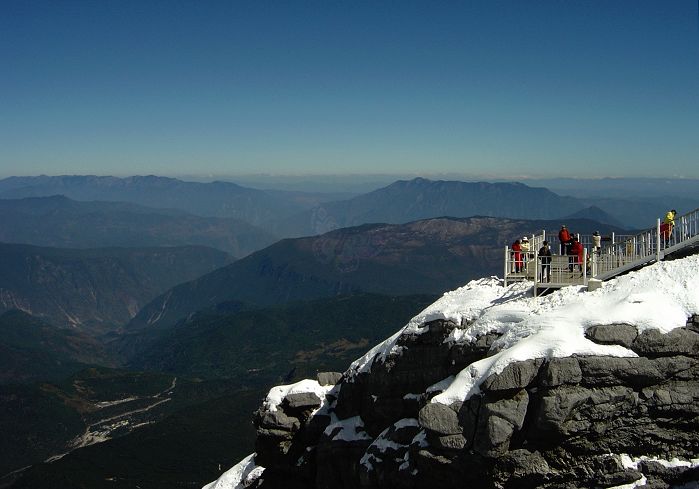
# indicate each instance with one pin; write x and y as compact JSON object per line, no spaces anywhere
{"x":490,"y":388}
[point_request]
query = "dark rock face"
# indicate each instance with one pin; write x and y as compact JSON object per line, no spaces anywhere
{"x":558,"y":423}
{"x":619,"y":334}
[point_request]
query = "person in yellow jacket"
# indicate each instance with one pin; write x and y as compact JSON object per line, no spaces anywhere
{"x":667,"y":226}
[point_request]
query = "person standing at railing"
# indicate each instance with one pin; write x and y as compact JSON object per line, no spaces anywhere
{"x":577,"y":251}
{"x":517,"y":255}
{"x":545,"y":257}
{"x":596,"y":242}
{"x":525,"y":251}
{"x":667,"y":226}
{"x":564,"y":238}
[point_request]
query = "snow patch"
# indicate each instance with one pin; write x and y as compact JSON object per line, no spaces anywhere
{"x":277,"y":394}
{"x":660,"y":296}
{"x":350,"y":429}
{"x":239,"y":476}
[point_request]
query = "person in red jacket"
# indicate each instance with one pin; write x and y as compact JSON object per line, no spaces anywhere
{"x":517,"y":256}
{"x":564,"y":238}
{"x":577,"y":250}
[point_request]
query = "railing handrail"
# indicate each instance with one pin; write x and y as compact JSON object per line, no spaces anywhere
{"x":619,"y":252}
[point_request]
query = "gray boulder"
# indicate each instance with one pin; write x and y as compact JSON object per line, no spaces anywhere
{"x":613,"y":334}
{"x":439,"y":419}
{"x":515,"y":376}
{"x":328,"y":378}
{"x":559,"y":371}
{"x":652,"y":343}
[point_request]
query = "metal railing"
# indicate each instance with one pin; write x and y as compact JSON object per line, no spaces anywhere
{"x":554,"y":270}
{"x":617,"y":254}
{"x":650,"y":245}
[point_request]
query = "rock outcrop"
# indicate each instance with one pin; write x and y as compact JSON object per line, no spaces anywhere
{"x":559,"y":423}
{"x":490,"y":388}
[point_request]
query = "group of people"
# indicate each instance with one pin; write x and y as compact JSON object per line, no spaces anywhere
{"x":520,"y":255}
{"x":520,"y":252}
{"x":571,"y":246}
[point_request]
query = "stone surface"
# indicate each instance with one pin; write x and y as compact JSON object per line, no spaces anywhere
{"x":559,"y":371}
{"x":609,"y":371}
{"x":439,"y":419}
{"x":514,"y":376}
{"x":680,"y":341}
{"x":538,"y":424}
{"x":328,"y":378}
{"x":613,"y":334}
{"x":302,"y":401}
{"x":278,"y":420}
{"x":449,"y":442}
{"x":498,"y":421}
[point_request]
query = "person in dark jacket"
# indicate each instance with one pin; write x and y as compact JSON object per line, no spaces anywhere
{"x":545,"y":257}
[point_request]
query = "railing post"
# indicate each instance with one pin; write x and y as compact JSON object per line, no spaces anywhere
{"x":536,"y":271}
{"x":584,"y":266}
{"x":657,"y":241}
{"x":595,"y":257}
{"x":507,"y":264}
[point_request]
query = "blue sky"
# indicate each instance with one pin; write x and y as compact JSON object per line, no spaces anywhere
{"x":487,"y":88}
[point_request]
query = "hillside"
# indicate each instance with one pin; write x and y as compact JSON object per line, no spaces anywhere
{"x":423,"y":257}
{"x":255,"y":349}
{"x":95,"y":289}
{"x":492,"y":388}
{"x":61,"y":222}
{"x":291,"y":341}
{"x":32,"y":350}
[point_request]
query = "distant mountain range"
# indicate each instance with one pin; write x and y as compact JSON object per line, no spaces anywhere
{"x":422,"y":257}
{"x":213,"y":199}
{"x":95,"y":289}
{"x":294,"y":214}
{"x":410,"y":200}
{"x":62,"y":222}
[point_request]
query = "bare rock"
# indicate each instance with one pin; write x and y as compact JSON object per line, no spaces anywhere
{"x":517,"y":375}
{"x":608,"y":371}
{"x":301,"y":401}
{"x":328,"y":378}
{"x":613,"y":334}
{"x":439,"y":419}
{"x":559,"y":371}
{"x":498,"y":421}
{"x":653,"y":343}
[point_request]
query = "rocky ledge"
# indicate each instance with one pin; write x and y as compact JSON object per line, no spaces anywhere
{"x":579,"y":421}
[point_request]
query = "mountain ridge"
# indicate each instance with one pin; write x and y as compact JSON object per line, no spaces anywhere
{"x":63,"y":222}
{"x":421,"y":257}
{"x":95,"y":289}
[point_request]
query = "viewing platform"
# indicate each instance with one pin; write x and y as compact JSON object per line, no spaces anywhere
{"x":618,"y":254}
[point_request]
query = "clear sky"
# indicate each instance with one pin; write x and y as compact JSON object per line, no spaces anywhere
{"x":501,"y":88}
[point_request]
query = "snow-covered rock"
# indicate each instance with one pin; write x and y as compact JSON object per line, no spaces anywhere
{"x":491,"y":387}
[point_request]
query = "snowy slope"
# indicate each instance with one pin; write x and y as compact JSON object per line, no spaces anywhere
{"x":660,"y":296}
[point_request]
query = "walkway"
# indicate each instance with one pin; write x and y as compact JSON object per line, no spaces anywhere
{"x":613,"y":259}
